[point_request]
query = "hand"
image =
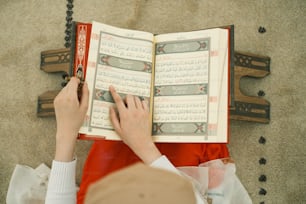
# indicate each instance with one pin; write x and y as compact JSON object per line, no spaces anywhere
{"x":133,"y":126}
{"x":70,"y":114}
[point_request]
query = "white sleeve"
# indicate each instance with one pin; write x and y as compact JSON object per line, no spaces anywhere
{"x":61,"y":186}
{"x":164,"y":163}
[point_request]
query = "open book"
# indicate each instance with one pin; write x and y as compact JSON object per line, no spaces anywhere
{"x":184,"y":75}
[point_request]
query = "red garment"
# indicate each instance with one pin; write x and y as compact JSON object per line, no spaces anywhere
{"x":108,"y":156}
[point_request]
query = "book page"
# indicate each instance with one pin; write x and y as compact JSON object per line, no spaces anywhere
{"x":118,"y":57}
{"x":189,"y":76}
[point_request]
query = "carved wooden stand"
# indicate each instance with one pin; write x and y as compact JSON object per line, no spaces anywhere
{"x":247,"y":108}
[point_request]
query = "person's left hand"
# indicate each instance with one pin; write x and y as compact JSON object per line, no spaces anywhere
{"x":70,"y":114}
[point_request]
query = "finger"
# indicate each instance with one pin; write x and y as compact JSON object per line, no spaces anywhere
{"x":115,"y":120}
{"x":138,"y":102}
{"x":130,"y":101}
{"x":119,"y":102}
{"x":145,"y":105}
{"x":85,"y":97}
{"x":73,"y":84}
{"x":72,"y":87}
{"x":69,"y":91}
{"x":124,"y":101}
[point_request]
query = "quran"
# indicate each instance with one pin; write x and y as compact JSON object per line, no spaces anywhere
{"x":185,"y":77}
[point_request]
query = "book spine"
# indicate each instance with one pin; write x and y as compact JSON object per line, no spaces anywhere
{"x":82,"y":39}
{"x":80,"y":55}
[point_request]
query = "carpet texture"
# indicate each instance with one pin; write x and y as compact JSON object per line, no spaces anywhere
{"x":32,"y":26}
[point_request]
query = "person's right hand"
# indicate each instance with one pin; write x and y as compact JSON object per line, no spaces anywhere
{"x":132,"y":124}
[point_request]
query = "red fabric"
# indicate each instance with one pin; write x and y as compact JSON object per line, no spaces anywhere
{"x":108,"y":156}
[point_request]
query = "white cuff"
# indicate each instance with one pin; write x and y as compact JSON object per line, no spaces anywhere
{"x":62,"y":176}
{"x":164,"y":163}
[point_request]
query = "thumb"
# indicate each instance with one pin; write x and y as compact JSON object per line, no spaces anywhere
{"x":84,"y":97}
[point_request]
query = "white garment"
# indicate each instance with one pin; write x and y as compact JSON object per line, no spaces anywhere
{"x":217,"y":181}
{"x":27,"y":185}
{"x":212,"y":179}
{"x":61,"y":181}
{"x":164,"y":163}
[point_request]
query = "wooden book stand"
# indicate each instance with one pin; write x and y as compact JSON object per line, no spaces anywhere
{"x":243,"y":107}
{"x":249,"y":108}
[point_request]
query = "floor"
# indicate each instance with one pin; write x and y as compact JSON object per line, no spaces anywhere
{"x":29,"y":27}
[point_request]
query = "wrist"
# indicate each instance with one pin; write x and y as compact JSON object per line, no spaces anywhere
{"x":65,"y":131}
{"x":64,"y":153}
{"x":65,"y":146}
{"x":148,"y":153}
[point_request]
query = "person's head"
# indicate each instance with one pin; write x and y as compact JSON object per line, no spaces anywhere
{"x":141,"y":184}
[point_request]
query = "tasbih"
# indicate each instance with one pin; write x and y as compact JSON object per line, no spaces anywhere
{"x":68,"y":31}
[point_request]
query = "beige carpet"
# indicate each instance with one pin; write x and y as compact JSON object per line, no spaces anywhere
{"x":29,"y":27}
